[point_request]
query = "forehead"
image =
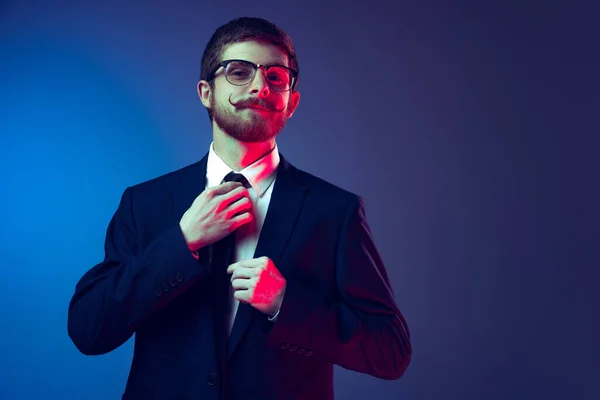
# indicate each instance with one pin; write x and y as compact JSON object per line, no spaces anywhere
{"x":259,"y":52}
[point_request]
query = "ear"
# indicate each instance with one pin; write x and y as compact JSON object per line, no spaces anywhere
{"x":293,"y":103}
{"x":205,"y":93}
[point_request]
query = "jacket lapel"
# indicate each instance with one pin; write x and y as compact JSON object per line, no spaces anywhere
{"x":284,"y":208}
{"x":193,"y":181}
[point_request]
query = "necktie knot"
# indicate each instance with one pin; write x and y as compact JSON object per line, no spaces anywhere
{"x":235,"y":177}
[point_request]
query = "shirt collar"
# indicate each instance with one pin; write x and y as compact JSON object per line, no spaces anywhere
{"x":260,"y":174}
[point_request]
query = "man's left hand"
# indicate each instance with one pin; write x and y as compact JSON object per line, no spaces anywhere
{"x":258,"y":282}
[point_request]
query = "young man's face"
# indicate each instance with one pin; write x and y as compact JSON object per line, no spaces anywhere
{"x":254,"y":112}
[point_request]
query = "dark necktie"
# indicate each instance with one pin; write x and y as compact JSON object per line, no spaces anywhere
{"x":222,"y":257}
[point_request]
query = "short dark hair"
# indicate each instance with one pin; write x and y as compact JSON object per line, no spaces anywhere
{"x":239,"y":30}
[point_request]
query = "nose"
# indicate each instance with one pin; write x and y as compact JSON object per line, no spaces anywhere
{"x":259,"y":84}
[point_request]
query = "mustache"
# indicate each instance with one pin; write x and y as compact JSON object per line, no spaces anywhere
{"x":262,"y":103}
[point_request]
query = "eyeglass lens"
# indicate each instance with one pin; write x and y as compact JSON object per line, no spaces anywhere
{"x":240,"y":73}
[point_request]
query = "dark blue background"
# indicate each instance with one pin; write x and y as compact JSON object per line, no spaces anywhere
{"x":470,"y":130}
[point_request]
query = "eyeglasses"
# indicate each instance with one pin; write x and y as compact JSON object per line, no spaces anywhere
{"x":241,"y":72}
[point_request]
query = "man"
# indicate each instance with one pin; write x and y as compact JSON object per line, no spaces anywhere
{"x":241,"y":276}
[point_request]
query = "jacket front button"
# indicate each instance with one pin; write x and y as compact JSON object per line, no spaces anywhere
{"x":284,"y":345}
{"x":171,"y":281}
{"x":293,"y":348}
{"x":308,"y":353}
{"x":212,"y":379}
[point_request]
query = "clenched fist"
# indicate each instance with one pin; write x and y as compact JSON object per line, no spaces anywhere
{"x":259,"y":283}
{"x":215,"y":213}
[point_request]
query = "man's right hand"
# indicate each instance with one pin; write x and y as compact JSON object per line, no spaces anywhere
{"x":215,"y":213}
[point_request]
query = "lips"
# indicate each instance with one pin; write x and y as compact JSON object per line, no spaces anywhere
{"x":258,"y":108}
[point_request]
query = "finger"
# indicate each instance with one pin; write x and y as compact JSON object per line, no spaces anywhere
{"x":237,"y":196}
{"x":231,"y":268}
{"x":225,"y":188}
{"x":245,"y":263}
{"x":242,"y":284}
{"x":243,"y":272}
{"x":241,"y":219}
{"x":243,"y":296}
{"x":242,"y":205}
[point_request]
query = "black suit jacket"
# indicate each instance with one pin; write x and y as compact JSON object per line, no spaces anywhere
{"x":338,"y":306}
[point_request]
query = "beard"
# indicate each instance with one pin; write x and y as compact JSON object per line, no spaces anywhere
{"x":253,"y":128}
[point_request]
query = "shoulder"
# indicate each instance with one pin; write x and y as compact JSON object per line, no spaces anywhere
{"x":324,"y":188}
{"x":327,"y":196}
{"x":169,"y":181}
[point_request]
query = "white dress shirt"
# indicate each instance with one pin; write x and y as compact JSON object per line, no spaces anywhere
{"x":261,"y":175}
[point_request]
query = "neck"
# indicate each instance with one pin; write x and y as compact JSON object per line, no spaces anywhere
{"x":238,"y":155}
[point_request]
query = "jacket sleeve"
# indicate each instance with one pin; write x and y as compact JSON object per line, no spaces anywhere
{"x":362,"y":329}
{"x":114,"y":297}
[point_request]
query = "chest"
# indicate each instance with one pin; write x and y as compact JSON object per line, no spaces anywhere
{"x":247,"y":236}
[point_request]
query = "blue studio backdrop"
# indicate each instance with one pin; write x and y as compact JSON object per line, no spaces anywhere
{"x":468,"y":128}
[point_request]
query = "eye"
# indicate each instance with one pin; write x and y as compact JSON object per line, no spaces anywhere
{"x":274,"y":78}
{"x":239,"y":72}
{"x":278,"y":75}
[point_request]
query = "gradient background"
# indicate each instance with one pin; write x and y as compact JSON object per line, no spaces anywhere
{"x":469,"y":129}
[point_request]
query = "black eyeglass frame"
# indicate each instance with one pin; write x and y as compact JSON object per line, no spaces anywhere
{"x":225,"y":63}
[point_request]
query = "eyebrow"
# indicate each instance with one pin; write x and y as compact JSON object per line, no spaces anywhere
{"x":278,"y":62}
